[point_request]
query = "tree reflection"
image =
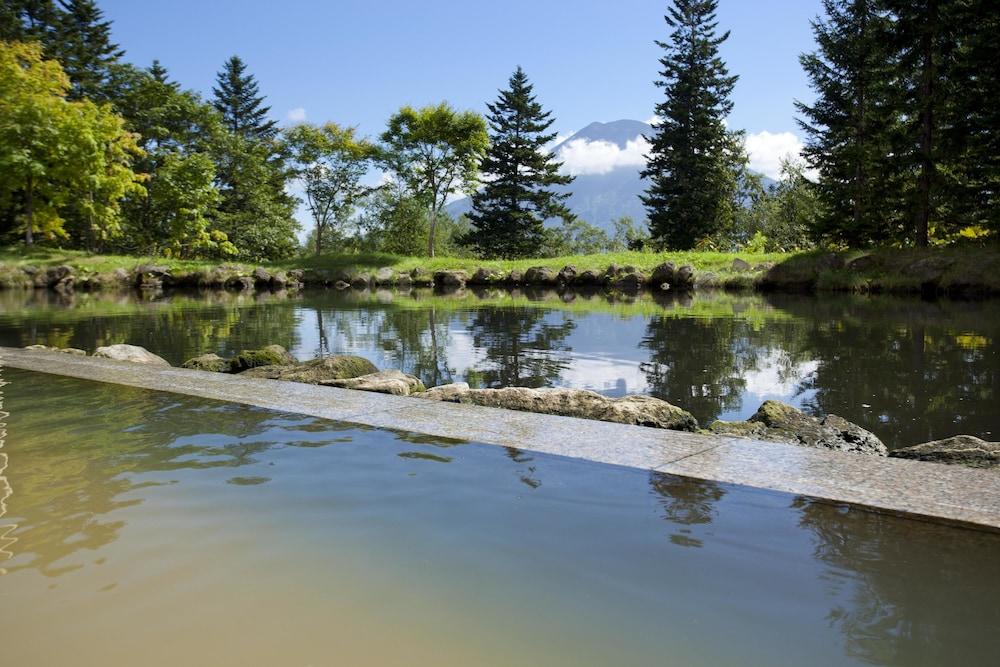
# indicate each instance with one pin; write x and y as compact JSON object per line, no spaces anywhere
{"x":906,"y":592}
{"x":688,"y":504}
{"x":76,"y":461}
{"x":523,"y":346}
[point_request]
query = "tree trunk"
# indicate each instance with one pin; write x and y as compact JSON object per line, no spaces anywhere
{"x":319,"y":239}
{"x":29,"y":195}
{"x":431,"y":232}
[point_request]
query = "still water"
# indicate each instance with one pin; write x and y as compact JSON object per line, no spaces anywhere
{"x":906,"y":369}
{"x":144,"y":528}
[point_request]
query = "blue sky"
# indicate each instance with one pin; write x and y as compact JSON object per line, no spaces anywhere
{"x":355,"y":62}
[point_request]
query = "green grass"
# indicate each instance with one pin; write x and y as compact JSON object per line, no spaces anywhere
{"x":89,"y":262}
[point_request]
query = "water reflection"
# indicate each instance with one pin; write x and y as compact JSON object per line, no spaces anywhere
{"x":892,"y":581}
{"x":909,"y":370}
{"x":689,"y":506}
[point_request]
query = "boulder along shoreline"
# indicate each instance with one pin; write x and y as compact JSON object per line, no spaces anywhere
{"x":774,"y":421}
{"x":865,"y":273}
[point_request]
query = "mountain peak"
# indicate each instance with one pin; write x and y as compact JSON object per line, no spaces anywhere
{"x":618,"y":132}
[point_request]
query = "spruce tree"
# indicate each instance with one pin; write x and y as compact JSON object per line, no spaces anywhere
{"x":509,"y":212}
{"x":694,"y":160}
{"x":238,"y":99}
{"x":853,"y":126}
{"x":82,"y":44}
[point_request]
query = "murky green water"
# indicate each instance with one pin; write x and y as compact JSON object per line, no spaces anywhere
{"x":908,"y":370}
{"x":146,"y":528}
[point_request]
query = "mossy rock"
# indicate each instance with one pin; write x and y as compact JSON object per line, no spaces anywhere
{"x":272,"y":355}
{"x":208,"y":362}
{"x":335,"y":367}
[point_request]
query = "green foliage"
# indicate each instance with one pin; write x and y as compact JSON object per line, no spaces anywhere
{"x":329,"y":161}
{"x":238,"y":100}
{"x":254,"y":210}
{"x":628,"y":236}
{"x":434,"y":151}
{"x":177,"y":132}
{"x":510,"y":210}
{"x":59,"y":157}
{"x":573,"y":237}
{"x":694,"y":159}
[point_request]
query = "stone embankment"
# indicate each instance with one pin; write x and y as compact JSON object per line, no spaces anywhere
{"x":152,"y":277}
{"x":773,"y":421}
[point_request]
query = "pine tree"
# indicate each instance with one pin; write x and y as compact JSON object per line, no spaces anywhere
{"x":82,"y":44}
{"x":510,"y":210}
{"x":238,"y":99}
{"x":853,"y":126}
{"x":693,"y":161}
{"x":973,"y":131}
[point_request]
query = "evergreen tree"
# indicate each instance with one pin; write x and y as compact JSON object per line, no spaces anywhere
{"x":853,"y":126}
{"x":82,"y":44}
{"x":973,"y":133}
{"x":693,"y":161}
{"x":509,"y":212}
{"x":238,"y":99}
{"x":28,"y":20}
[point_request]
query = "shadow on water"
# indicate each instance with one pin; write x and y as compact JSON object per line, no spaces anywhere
{"x":906,"y":369}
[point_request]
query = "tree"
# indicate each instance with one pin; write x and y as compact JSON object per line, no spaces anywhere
{"x":782,"y":218}
{"x":434,"y":151}
{"x":237,"y":98}
{"x":56,"y":155}
{"x":254,"y":211}
{"x":852,"y":126}
{"x":628,"y":235}
{"x":177,"y":131}
{"x":509,"y":212}
{"x":329,"y":161}
{"x":693,"y":190}
{"x":82,"y":44}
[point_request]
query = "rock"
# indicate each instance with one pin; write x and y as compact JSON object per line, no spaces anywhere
{"x":403,"y":281}
{"x":830,"y":261}
{"x":486,"y":276}
{"x":588,"y":277}
{"x":612,"y":272}
{"x":341,"y":285}
{"x":964,"y":450}
{"x":262,"y":277}
{"x":582,"y":403}
{"x":741,"y":265}
{"x":133,"y":353}
{"x":150,"y":274}
{"x":863,"y":263}
{"x":515,"y":277}
{"x":297,"y":275}
{"x":541,"y":275}
{"x":271,"y":355}
{"x":65,"y":350}
{"x":928,"y":269}
{"x":421,"y":277}
{"x":446,"y":392}
{"x":783,"y":423}
{"x":567,"y":275}
{"x":65,"y":284}
{"x":385,"y":276}
{"x":279,"y":280}
{"x":631,"y":282}
{"x":360,"y":280}
{"x":334,"y":367}
{"x":450,"y":279}
{"x":663,"y":275}
{"x":241,"y":283}
{"x":383,"y":382}
{"x":208,"y":362}
{"x":684,"y":277}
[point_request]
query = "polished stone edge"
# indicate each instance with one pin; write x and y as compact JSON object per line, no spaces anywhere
{"x":941,"y":493}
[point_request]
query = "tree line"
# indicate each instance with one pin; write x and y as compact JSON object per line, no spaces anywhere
{"x":97,"y":153}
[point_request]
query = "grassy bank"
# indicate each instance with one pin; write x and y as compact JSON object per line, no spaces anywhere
{"x":880,"y":270}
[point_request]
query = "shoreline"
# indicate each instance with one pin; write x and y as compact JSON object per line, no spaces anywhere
{"x":935,"y":272}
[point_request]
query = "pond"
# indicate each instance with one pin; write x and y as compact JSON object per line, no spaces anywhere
{"x":909,"y":370}
{"x":140,"y":527}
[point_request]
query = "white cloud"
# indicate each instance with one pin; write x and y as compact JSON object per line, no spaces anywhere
{"x":582,"y":156}
{"x":653,"y":120}
{"x":766,"y":150}
{"x":297,"y":115}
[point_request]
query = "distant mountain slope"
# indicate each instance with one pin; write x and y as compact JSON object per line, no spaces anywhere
{"x":600,"y":198}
